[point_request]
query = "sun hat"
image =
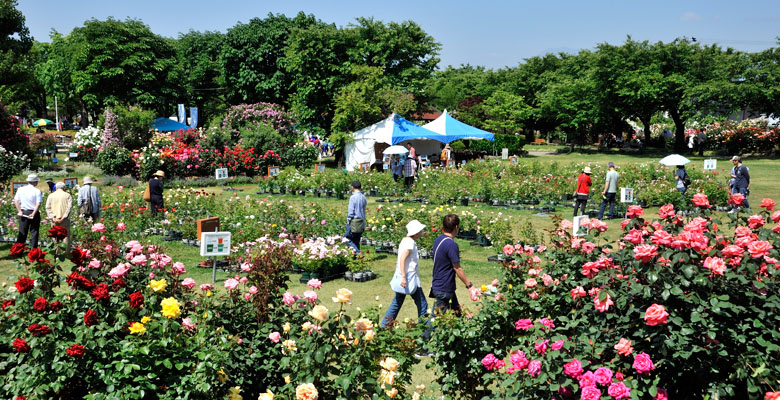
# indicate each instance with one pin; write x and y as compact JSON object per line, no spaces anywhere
{"x":32,"y":178}
{"x":414,"y":227}
{"x":59,"y":185}
{"x":587,"y":170}
{"x":610,"y":164}
{"x":159,"y":173}
{"x":88,"y":179}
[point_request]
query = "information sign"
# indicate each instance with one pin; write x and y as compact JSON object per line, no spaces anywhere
{"x":70,"y":183}
{"x":215,"y":244}
{"x":710,"y":163}
{"x":221,"y":173}
{"x":16,"y":186}
{"x":579,"y":229}
{"x":504,"y":153}
{"x":273,"y":171}
{"x":626,"y":195}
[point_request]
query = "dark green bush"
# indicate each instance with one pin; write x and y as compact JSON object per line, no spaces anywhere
{"x":116,"y":161}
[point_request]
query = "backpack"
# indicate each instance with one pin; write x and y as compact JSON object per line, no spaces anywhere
{"x":686,"y":180}
{"x":87,"y":208}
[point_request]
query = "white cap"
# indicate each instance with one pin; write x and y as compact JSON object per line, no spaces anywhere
{"x":32,"y":178}
{"x":414,"y":227}
{"x":59,"y":185}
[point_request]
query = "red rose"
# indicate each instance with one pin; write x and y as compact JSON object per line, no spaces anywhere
{"x":136,"y":300}
{"x":78,"y":281}
{"x":656,"y":315}
{"x":21,"y":346}
{"x":78,"y":256}
{"x":18,"y":249}
{"x":38,"y":329}
{"x":36,"y":255}
{"x":58,"y":232}
{"x":90,"y":318}
{"x":769,"y":204}
{"x":100,"y":292}
{"x":41,"y":304}
{"x":24,"y":284}
{"x":76,"y":351}
{"x":8,"y":303}
{"x":118,"y":283}
{"x":56,"y":306}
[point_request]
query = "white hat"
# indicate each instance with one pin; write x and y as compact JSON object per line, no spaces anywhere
{"x":587,"y":170}
{"x":32,"y":178}
{"x":414,"y":227}
{"x":87,"y":180}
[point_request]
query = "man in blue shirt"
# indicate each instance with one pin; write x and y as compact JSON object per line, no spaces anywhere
{"x":741,"y":177}
{"x":446,"y":265}
{"x":356,"y":215}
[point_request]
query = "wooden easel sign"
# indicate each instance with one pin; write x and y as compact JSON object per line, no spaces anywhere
{"x":273,"y":171}
{"x":70,"y":183}
{"x":319,"y":168}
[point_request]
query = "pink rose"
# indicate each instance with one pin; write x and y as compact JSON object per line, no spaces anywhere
{"x":577,"y":292}
{"x":530,"y":283}
{"x":666,"y":211}
{"x":310,"y":296}
{"x":178,"y":268}
{"x":253,"y":290}
{"x":590,"y":393}
{"x":231,"y":284}
{"x":94,"y":263}
{"x":603,"y":376}
{"x":573,"y":368}
{"x":598,"y":225}
{"x":547,"y":323}
{"x":247,"y":296}
{"x":643,"y":363}
{"x":275,"y":336}
{"x":619,"y":390}
{"x":623,"y":347}
{"x":715,"y":264}
{"x":314,"y":284}
{"x":287,"y":298}
{"x":187,"y":324}
{"x":661,"y":395}
{"x":645,"y":252}
{"x":206,"y":287}
{"x":121,"y":226}
{"x":243,"y":280}
{"x":759,"y":248}
{"x":769,"y":204}
{"x":118,"y":271}
{"x":139,"y":260}
{"x":189,"y":283}
{"x":518,"y":360}
{"x":588,"y":247}
{"x":109,"y":248}
{"x":700,"y":200}
{"x":587,"y":379}
{"x":756,"y":221}
{"x":776,"y":216}
{"x":603,"y":305}
{"x":509,"y":250}
{"x":635,"y":211}
{"x":566,"y":224}
{"x":534,"y":367}
{"x":656,"y":315}
{"x":557,"y":345}
{"x":490,"y":362}
{"x":98,"y":227}
{"x":541,"y":347}
{"x":524,"y":324}
{"x":736,"y":199}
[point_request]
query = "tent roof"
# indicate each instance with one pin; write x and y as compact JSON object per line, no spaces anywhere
{"x":395,"y":129}
{"x":452,"y":129}
{"x":166,"y":125}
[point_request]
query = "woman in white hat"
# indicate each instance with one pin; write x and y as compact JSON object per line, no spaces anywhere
{"x":406,"y":280}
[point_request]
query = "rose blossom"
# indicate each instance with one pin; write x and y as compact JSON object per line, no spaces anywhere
{"x":619,"y":390}
{"x":275,"y":336}
{"x":661,"y":395}
{"x":666,"y":211}
{"x":534,"y":367}
{"x":205,"y":287}
{"x":189,"y":283}
{"x":635,"y":211}
{"x":759,"y":248}
{"x":590,"y":393}
{"x":655,"y":315}
{"x":736,"y":199}
{"x":776,"y":216}
{"x":756,"y":221}
{"x":587,"y":379}
{"x":119,"y":271}
{"x":139,"y":260}
{"x":715,"y":264}
{"x":603,"y":376}
{"x":253,"y":290}
{"x":178,"y":268}
{"x":573,"y":368}
{"x":509,"y":250}
{"x":530,"y":283}
{"x":187,"y":324}
{"x":310,"y":296}
{"x":231,"y":284}
{"x":314,"y":284}
{"x":643,"y":363}
{"x":98,"y":227}
{"x":287,"y":298}
{"x":700,"y":200}
{"x":541,"y":347}
{"x":121,"y":226}
{"x":645,"y":252}
{"x":603,"y":305}
{"x":557,"y":345}
{"x":769,"y":204}
{"x":623,"y":347}
{"x":524,"y":324}
{"x":577,"y":292}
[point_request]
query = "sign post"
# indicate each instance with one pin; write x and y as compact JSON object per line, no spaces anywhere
{"x":213,"y":244}
{"x":579,"y":229}
{"x":626,"y":195}
{"x":710,"y":164}
{"x":504,"y":153}
{"x":70,"y":183}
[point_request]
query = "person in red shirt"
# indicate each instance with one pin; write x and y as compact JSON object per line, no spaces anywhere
{"x":583,"y":190}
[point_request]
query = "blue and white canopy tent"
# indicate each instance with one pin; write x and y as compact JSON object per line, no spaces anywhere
{"x":451,"y":129}
{"x":367,"y":148}
{"x":167,"y":125}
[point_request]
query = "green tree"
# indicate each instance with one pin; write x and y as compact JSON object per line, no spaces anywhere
{"x":506,"y":112}
{"x":26,"y":95}
{"x":15,"y":40}
{"x":199,"y":54}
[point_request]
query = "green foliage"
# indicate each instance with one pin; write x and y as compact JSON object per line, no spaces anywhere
{"x":301,"y":156}
{"x":506,"y":112}
{"x":15,"y":40}
{"x":115,"y":160}
{"x":203,"y":75}
{"x":134,"y":125}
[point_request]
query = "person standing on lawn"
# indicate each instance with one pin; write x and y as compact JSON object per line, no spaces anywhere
{"x":88,"y":200}
{"x":446,"y":265}
{"x":406,"y":281}
{"x":702,"y":138}
{"x":741,"y":177}
{"x":28,"y":201}
{"x":58,"y":207}
{"x":410,"y":169}
{"x":583,"y":190}
{"x":610,"y":191}
{"x":356,"y":215}
{"x":156,"y":192}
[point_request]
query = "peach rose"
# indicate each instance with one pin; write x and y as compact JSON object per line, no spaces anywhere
{"x":306,"y":391}
{"x":389,"y":363}
{"x":269,"y":395}
{"x":656,"y":315}
{"x":623,"y":347}
{"x":759,"y":248}
{"x":369,"y":335}
{"x":342,"y":296}
{"x":392,"y":392}
{"x":364,"y":324}
{"x":318,"y":312}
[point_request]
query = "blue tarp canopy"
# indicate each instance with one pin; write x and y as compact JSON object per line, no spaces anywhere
{"x":168,"y":125}
{"x":450,"y":129}
{"x":404,"y":130}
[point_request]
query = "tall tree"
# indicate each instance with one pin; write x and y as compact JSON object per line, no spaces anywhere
{"x":506,"y":112}
{"x":199,"y":53}
{"x":26,"y":95}
{"x":15,"y":40}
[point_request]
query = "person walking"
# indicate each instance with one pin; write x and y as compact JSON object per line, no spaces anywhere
{"x":88,"y":200}
{"x":682,"y":182}
{"x":156,"y":192}
{"x":741,"y":177}
{"x":398,"y":168}
{"x":702,"y":138}
{"x":58,"y":207}
{"x":28,"y":201}
{"x":446,"y":265}
{"x":410,"y":168}
{"x":356,"y":215}
{"x":691,"y":140}
{"x":610,"y":191}
{"x":583,"y":190}
{"x":406,"y":281}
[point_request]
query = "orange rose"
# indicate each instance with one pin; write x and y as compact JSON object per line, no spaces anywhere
{"x":320,"y":313}
{"x":624,"y":347}
{"x":342,"y":296}
{"x":306,"y":391}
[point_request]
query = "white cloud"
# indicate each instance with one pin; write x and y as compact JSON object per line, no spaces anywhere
{"x":690,"y":16}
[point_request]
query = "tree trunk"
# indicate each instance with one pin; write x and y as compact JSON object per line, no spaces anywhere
{"x":338,"y":154}
{"x":84,"y":114}
{"x":646,"y":122}
{"x":679,"y":134}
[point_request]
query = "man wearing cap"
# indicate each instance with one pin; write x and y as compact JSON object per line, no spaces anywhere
{"x":356,"y":215}
{"x":583,"y":190}
{"x":58,"y":206}
{"x":741,"y":177}
{"x":156,"y":192}
{"x":406,"y":281}
{"x":50,"y":183}
{"x":88,"y":200}
{"x":609,"y":192}
{"x":28,"y":201}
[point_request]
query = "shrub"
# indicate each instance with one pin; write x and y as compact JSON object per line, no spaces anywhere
{"x":301,"y":156}
{"x":116,"y":160}
{"x":134,"y":124}
{"x":87,"y":143}
{"x":11,"y":164}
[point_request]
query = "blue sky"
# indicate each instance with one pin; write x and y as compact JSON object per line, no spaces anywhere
{"x":494,"y":34}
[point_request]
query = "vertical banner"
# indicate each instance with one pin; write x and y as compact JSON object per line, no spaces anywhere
{"x":182,"y":114}
{"x":193,"y":117}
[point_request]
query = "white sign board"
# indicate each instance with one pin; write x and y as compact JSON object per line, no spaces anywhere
{"x":579,"y":229}
{"x":214,"y":244}
{"x":73,"y":155}
{"x":626,"y":195}
{"x":221,"y":173}
{"x":504,"y":153}
{"x":710,"y":163}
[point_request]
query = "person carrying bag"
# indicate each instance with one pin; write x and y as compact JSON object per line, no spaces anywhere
{"x":406,"y":280}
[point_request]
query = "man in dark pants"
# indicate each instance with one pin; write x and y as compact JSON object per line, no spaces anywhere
{"x":446,"y":265}
{"x":702,"y":138}
{"x":610,"y":191}
{"x":27,"y":200}
{"x":156,"y":192}
{"x":741,"y":177}
{"x":356,"y":215}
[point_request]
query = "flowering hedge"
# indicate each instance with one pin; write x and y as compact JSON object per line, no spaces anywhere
{"x":682,"y":308}
{"x":748,"y":136}
{"x":87,"y":143}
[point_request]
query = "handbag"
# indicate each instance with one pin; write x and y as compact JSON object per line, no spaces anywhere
{"x":147,"y":194}
{"x":357,"y":225}
{"x":411,"y":284}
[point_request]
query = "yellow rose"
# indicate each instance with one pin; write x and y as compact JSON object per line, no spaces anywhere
{"x":306,"y":391}
{"x":286,"y":327}
{"x":170,"y":308}
{"x":137,"y":328}
{"x":290,"y":345}
{"x":510,"y":286}
{"x":387,"y":377}
{"x":369,"y":336}
{"x":287,"y":379}
{"x":208,"y":293}
{"x":483,"y":288}
{"x":222,"y":376}
{"x":234,"y":393}
{"x":342,"y":296}
{"x":306,"y":326}
{"x":356,"y":342}
{"x":392,"y":392}
{"x":318,"y":312}
{"x":144,"y":320}
{"x":158,"y":286}
{"x":269,"y":395}
{"x":389,"y":363}
{"x":364,"y":324}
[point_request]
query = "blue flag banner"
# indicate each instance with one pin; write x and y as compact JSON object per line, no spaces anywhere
{"x":182,"y":114}
{"x":193,"y":117}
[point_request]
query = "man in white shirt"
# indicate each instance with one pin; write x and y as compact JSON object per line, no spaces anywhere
{"x":28,"y":201}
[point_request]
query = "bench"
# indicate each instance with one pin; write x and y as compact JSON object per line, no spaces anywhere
{"x":539,"y":141}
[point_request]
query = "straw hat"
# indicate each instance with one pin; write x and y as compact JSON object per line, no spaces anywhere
{"x":414,"y":227}
{"x":88,"y":179}
{"x":32,"y":178}
{"x":159,"y":173}
{"x":587,"y":170}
